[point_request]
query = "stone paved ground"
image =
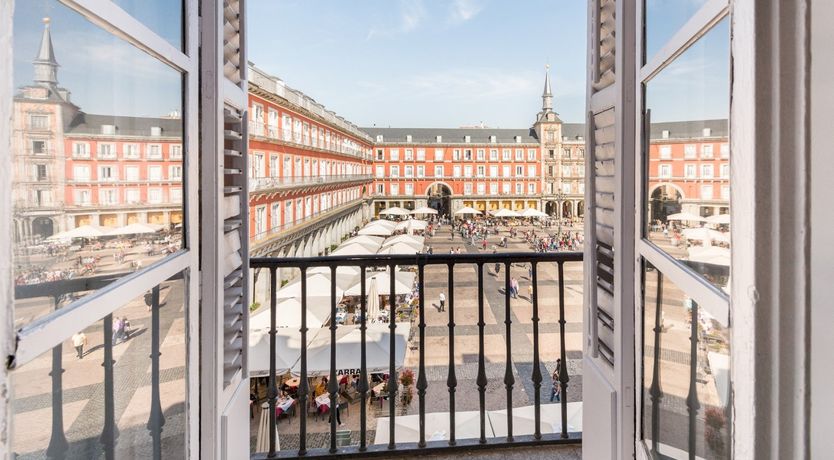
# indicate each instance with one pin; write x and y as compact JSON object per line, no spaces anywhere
{"x":466,"y":341}
{"x":83,"y":389}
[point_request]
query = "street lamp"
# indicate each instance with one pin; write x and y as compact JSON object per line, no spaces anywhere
{"x":559,"y":197}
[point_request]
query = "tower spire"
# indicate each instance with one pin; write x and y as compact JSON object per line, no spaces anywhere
{"x":547,"y":96}
{"x":46,"y":67}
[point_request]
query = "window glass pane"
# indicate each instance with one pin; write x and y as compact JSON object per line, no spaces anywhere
{"x":685,"y":367}
{"x":664,"y":18}
{"x":80,"y":209}
{"x":96,"y":396}
{"x":685,"y":212}
{"x":161,"y":16}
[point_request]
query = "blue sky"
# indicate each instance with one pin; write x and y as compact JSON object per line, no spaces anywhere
{"x":413,"y":63}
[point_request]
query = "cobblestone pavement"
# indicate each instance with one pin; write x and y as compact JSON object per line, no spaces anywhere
{"x":465,"y":359}
{"x":82,"y":392}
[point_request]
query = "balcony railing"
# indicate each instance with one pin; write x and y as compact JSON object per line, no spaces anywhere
{"x":266,"y":235}
{"x":420,"y":262}
{"x":257,"y":184}
{"x":295,"y":138}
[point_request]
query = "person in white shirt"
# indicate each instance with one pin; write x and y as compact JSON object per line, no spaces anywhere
{"x":442,"y":302}
{"x":79,"y":341}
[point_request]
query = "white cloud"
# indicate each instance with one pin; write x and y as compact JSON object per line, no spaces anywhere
{"x":464,"y":10}
{"x":412,"y":14}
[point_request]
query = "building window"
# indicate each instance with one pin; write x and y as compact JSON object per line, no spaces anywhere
{"x":725,"y":171}
{"x":566,"y":153}
{"x":154,"y":173}
{"x":175,"y":173}
{"x":409,"y":155}
{"x":531,"y":170}
{"x":481,"y":154}
{"x":706,"y":171}
{"x":40,"y":173}
{"x":154,"y":152}
{"x":106,"y":151}
{"x":665,"y":171}
{"x":467,"y":188}
{"x":408,"y":171}
{"x":421,"y":171}
{"x":131,"y":151}
{"x":131,"y":173}
{"x":132,"y":196}
{"x":481,"y":171}
{"x":438,"y":154}
{"x":566,"y":189}
{"x":706,"y":192}
{"x":81,"y":173}
{"x":395,"y":189}
{"x":39,"y":147}
{"x":421,"y":154}
{"x":81,"y":150}
{"x":395,"y":171}
{"x":456,"y":171}
{"x":380,"y":189}
{"x":467,"y":171}
{"x":493,"y":188}
{"x":665,"y":152}
{"x":689,"y":151}
{"x":481,"y":188}
{"x":260,"y":219}
{"x":519,"y":188}
{"x":725,"y":192}
{"x":505,"y":188}
{"x":725,"y":150}
{"x":493,"y":155}
{"x":690,"y":171}
{"x":580,"y":153}
{"x":531,"y":154}
{"x":456,"y":154}
{"x":531,"y":188}
{"x":566,"y":172}
{"x":506,"y":154}
{"x":467,"y":155}
{"x":438,"y":171}
{"x":551,"y":154}
{"x":409,"y":189}
{"x":505,"y":171}
{"x":519,"y":155}
{"x":706,"y":151}
{"x":109,"y":196}
{"x":82,"y":197}
{"x":107,"y":173}
{"x":519,"y":171}
{"x":175,"y":152}
{"x":38,"y":121}
{"x":395,"y":154}
{"x":493,"y":171}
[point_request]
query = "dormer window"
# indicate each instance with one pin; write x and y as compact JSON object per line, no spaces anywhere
{"x":438,"y":139}
{"x":156,"y":131}
{"x":379,"y":138}
{"x":492,"y":139}
{"x":467,"y":139}
{"x":707,"y":132}
{"x":408,"y":137}
{"x":108,"y":130}
{"x":518,"y":139}
{"x":665,"y":134}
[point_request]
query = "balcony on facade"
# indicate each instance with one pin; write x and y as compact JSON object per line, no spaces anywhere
{"x":276,"y":183}
{"x":264,"y":237}
{"x":258,"y":131}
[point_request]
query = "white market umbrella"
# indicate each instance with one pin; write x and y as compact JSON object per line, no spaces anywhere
{"x":84,"y":231}
{"x":287,"y":350}
{"x":370,"y":241}
{"x":504,"y":212}
{"x":400,"y":248}
{"x":346,"y":270}
{"x":710,"y":255}
{"x":376,"y":230}
{"x":263,"y":431}
{"x":424,"y":210}
{"x":349,"y":350}
{"x":403,"y":283}
{"x":135,"y":229}
{"x":524,"y":419}
{"x":702,"y":234}
{"x":394,"y":211}
{"x":408,"y":239}
{"x":383,"y":222}
{"x":354,"y":249}
{"x":721,"y":219}
{"x":467,"y":210}
{"x":318,"y":285}
{"x":533,"y":212}
{"x":685,"y":216}
{"x":288,"y":314}
{"x":372,"y":306}
{"x":411,"y":225}
{"x":407,"y":427}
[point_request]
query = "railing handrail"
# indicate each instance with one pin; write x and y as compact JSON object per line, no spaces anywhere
{"x":373,"y":260}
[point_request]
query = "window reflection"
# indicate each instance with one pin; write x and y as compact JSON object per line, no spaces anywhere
{"x":687,"y":159}
{"x":686,"y":375}
{"x":664,"y":18}
{"x":96,"y":391}
{"x":162,"y":16}
{"x":97,"y":140}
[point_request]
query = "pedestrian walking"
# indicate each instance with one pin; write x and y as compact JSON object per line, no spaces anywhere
{"x":117,"y":329}
{"x":497,"y":268}
{"x":79,"y":341}
{"x":442,"y":301}
{"x":530,"y":292}
{"x":557,"y":389}
{"x":514,"y":288}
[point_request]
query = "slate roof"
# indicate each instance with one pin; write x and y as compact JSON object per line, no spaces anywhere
{"x":85,"y":123}
{"x":452,"y":135}
{"x":691,"y":129}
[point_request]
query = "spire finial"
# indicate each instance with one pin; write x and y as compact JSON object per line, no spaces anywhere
{"x":46,"y":21}
{"x":46,"y":67}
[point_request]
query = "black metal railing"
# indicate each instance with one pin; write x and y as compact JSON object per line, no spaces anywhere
{"x":420,"y":261}
{"x":85,"y":445}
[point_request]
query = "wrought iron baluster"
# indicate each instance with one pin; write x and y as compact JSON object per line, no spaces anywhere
{"x":537,"y":373}
{"x":422,"y":383}
{"x":692,"y":404}
{"x":563,"y":370}
{"x":303,"y":389}
{"x":482,"y":379}
{"x":333,"y":386}
{"x":58,"y":445}
{"x":110,"y":432}
{"x":392,"y":375}
{"x":655,"y":392}
{"x":509,"y":380}
{"x":363,"y":366}
{"x":272,"y":390}
{"x":156,"y":420}
{"x":451,"y":379}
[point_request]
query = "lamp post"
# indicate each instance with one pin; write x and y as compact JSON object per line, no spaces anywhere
{"x":559,"y":197}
